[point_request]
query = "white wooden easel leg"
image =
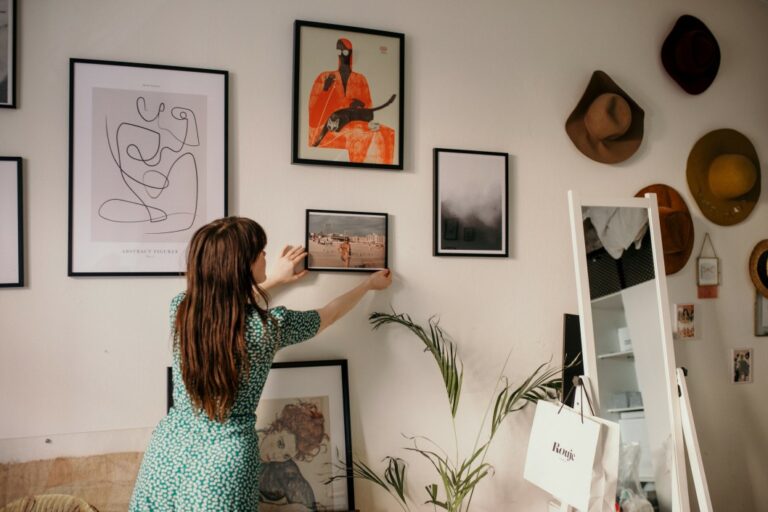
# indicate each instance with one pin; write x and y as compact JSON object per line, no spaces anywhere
{"x":692,"y":444}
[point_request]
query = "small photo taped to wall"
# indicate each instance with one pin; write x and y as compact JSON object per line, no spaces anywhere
{"x":742,"y":365}
{"x":685,"y":321}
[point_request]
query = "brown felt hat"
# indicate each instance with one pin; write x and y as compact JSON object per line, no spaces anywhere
{"x":691,"y":55}
{"x":676,"y":226}
{"x":606,"y":125}
{"x":724,"y":176}
{"x":758,"y":267}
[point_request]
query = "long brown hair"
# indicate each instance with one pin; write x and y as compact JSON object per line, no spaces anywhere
{"x":211,"y":319}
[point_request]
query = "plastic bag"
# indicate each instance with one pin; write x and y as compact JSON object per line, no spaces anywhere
{"x":631,"y":495}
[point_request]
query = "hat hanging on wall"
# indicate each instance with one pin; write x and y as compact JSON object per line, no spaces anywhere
{"x":691,"y":55}
{"x":758,"y":267}
{"x":676,"y":226}
{"x":724,"y":176}
{"x":606,"y":125}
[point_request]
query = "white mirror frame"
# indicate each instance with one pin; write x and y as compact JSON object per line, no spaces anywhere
{"x":679,"y":479}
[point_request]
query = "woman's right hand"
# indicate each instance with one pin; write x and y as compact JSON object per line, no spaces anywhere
{"x":380,"y":280}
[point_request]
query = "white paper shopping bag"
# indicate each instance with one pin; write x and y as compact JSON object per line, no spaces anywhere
{"x":605,"y":475}
{"x":561,"y":453}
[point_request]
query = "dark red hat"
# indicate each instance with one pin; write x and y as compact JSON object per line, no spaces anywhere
{"x":691,"y":55}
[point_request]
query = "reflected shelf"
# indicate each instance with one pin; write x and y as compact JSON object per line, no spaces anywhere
{"x":626,"y":354}
{"x":627,"y":409}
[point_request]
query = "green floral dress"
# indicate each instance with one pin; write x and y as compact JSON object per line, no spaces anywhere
{"x":195,"y":464}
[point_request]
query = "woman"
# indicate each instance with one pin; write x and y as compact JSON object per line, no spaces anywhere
{"x":204,"y":455}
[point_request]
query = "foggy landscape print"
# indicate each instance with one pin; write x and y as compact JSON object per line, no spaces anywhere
{"x":149,"y":154}
{"x":346,"y":241}
{"x":470,"y":203}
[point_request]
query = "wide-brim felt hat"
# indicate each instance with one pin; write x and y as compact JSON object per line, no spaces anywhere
{"x":723,"y":174}
{"x":691,"y":55}
{"x":607,"y":124}
{"x":758,"y":267}
{"x":676,"y":226}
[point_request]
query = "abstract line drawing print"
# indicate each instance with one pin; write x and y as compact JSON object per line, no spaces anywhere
{"x":149,"y":154}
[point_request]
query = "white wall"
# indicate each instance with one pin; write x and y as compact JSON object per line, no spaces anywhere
{"x":80,"y":355}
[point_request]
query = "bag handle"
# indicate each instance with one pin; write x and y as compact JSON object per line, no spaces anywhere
{"x":580,"y":385}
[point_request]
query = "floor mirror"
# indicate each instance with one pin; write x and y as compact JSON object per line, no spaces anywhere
{"x":626,"y":335}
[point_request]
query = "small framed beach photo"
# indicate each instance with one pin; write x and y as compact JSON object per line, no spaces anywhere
{"x":346,"y":241}
{"x":742,"y":365}
{"x":302,"y":421}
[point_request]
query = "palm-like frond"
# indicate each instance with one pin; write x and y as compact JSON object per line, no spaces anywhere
{"x":542,"y":384}
{"x":438,"y":344}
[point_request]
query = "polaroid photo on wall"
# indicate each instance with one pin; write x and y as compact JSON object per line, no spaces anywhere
{"x":742,"y":365}
{"x":685,"y":321}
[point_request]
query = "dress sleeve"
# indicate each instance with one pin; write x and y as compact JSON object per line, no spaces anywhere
{"x":295,"y":326}
{"x":174,"y":308}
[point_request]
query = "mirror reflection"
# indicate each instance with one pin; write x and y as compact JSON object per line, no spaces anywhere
{"x":628,"y":344}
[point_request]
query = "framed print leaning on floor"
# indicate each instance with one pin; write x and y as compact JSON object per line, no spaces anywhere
{"x":471,"y":208}
{"x":347,"y":96}
{"x":304,"y":437}
{"x":11,"y":223}
{"x":147,"y":164}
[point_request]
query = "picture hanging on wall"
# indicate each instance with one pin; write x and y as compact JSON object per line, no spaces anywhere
{"x":708,"y":272}
{"x":147,"y":164}
{"x":346,"y":241}
{"x":347,"y":96}
{"x":761,"y":315}
{"x":8,"y":53}
{"x":304,"y":437}
{"x":685,"y":321}
{"x":11,"y":223}
{"x":471,"y":209}
{"x":742,"y":365}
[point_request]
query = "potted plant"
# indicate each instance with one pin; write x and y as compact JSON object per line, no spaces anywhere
{"x":457,"y":476}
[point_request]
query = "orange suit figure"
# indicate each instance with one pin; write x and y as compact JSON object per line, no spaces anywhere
{"x":339,"y":114}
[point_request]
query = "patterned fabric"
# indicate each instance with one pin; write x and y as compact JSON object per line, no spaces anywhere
{"x":194,"y":464}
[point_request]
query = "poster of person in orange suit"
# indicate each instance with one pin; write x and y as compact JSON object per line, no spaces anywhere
{"x":350,"y":113}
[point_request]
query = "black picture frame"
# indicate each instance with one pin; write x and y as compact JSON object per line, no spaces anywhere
{"x":148,"y":158}
{"x":336,"y":132}
{"x":467,"y":221}
{"x":11,"y":222}
{"x":364,"y":234}
{"x":8,"y":38}
{"x":285,"y":382}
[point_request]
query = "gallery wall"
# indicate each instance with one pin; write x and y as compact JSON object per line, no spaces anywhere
{"x":84,"y":358}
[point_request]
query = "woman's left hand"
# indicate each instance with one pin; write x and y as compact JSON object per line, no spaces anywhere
{"x":285,"y":268}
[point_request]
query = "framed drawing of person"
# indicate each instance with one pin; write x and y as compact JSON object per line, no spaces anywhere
{"x":347,"y":96}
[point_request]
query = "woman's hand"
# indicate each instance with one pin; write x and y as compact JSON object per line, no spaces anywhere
{"x":380,"y":280}
{"x":284,"y":271}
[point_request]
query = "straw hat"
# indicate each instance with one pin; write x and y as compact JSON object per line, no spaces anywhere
{"x":691,"y":55}
{"x":724,"y":176}
{"x":758,"y":267}
{"x":676,"y":226}
{"x":606,"y":125}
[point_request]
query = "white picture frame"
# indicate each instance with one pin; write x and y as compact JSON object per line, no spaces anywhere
{"x":148,"y":164}
{"x":708,"y":271}
{"x":684,"y":316}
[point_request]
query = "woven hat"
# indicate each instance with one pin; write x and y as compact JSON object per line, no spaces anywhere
{"x":724,"y":176}
{"x":758,"y":267}
{"x":606,"y":125}
{"x":691,"y":55}
{"x":676,"y":226}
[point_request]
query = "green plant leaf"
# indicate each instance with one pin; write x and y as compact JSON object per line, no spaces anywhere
{"x":438,"y":344}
